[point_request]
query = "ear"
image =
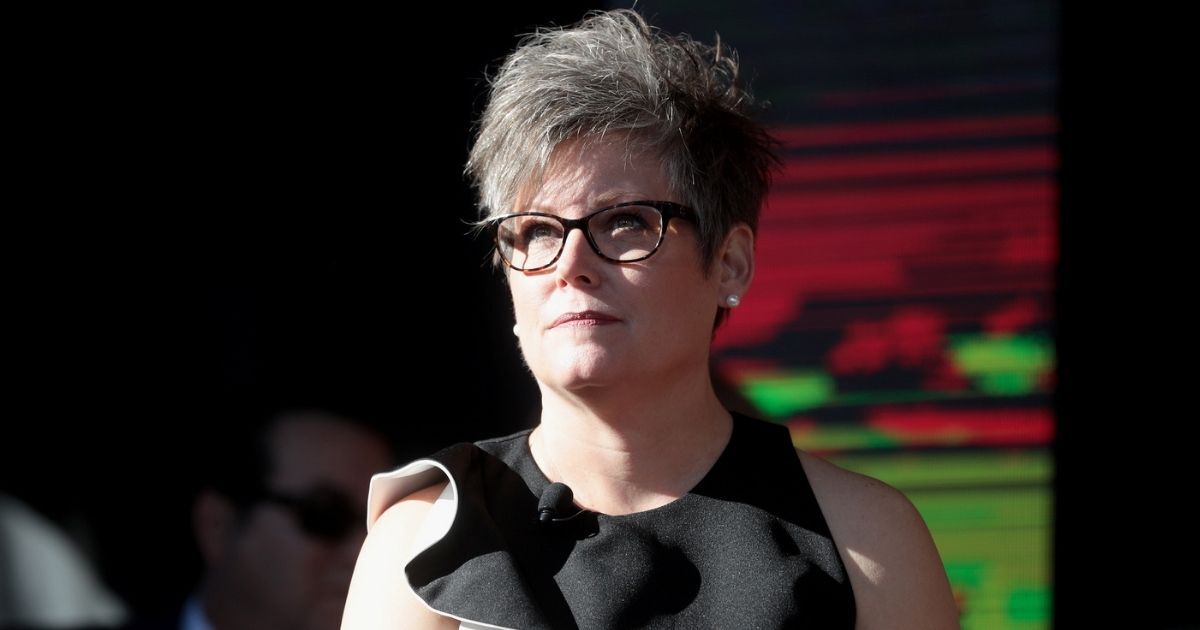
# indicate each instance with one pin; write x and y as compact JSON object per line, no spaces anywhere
{"x":214,"y":521}
{"x":735,"y":263}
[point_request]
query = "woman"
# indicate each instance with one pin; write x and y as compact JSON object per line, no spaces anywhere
{"x":621,"y":178}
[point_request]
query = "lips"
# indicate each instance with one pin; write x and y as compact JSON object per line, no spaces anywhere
{"x":584,"y":318}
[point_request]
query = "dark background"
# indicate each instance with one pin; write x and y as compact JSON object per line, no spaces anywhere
{"x":232,"y":206}
{"x":207,"y":202}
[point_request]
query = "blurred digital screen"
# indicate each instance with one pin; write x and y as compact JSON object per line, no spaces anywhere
{"x":900,"y":320}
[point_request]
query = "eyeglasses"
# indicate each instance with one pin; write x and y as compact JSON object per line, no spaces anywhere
{"x":624,"y":233}
{"x":324,"y":514}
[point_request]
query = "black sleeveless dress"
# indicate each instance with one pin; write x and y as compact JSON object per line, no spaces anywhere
{"x":748,"y":547}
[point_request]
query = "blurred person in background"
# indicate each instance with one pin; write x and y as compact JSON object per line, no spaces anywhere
{"x":279,"y":522}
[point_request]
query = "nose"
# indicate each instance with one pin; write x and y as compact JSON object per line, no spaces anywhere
{"x":578,"y":264}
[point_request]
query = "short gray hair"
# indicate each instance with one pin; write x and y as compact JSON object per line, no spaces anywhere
{"x":673,"y":97}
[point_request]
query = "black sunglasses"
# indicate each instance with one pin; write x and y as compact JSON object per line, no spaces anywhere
{"x":324,"y":514}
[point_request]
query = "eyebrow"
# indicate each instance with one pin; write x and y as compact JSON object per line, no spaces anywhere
{"x":603,"y":200}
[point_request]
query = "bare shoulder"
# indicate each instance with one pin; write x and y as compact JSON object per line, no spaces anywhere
{"x":379,"y":594}
{"x":895,"y":570}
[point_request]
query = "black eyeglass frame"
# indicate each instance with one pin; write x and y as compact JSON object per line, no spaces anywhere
{"x":313,"y":513}
{"x":667,"y":210}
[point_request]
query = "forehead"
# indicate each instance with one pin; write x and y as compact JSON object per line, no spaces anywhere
{"x":585,"y":174}
{"x":309,"y":450}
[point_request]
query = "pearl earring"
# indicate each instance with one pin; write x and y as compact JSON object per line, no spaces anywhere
{"x":515,"y":330}
{"x":733,"y":300}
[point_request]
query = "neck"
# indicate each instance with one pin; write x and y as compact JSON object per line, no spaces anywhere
{"x":621,"y":452}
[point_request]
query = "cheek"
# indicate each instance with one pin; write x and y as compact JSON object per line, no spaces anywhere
{"x":273,"y":540}
{"x":684,"y":294}
{"x":525,"y":303}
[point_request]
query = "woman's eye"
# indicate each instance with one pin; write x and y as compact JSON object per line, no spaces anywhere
{"x":539,"y":231}
{"x":629,"y":221}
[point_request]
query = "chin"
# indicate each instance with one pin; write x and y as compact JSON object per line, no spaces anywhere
{"x":584,"y":369}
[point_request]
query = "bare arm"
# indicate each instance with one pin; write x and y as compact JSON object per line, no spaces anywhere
{"x":898,"y":577}
{"x":380,"y":598}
